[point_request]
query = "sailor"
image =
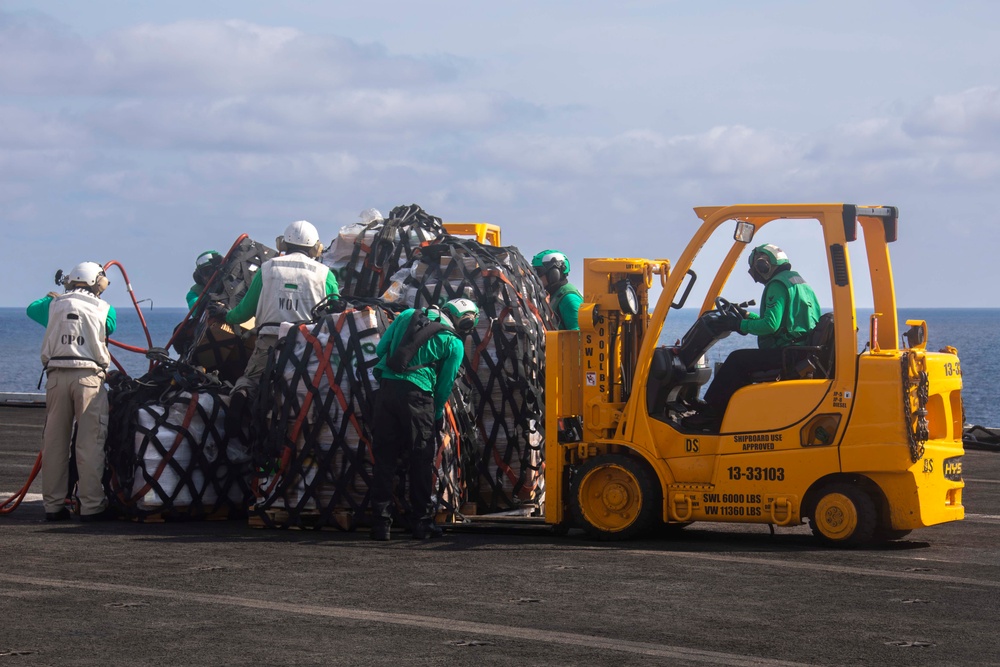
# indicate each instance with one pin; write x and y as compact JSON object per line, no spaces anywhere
{"x":205,"y":266}
{"x":789,"y":311}
{"x":285,"y":289}
{"x":420,"y":356}
{"x":75,"y":356}
{"x":552,"y":268}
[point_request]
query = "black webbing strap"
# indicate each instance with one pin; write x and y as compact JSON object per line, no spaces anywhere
{"x":504,"y":373}
{"x":396,"y":241}
{"x":204,"y":341}
{"x":419,"y":330}
{"x":167,"y":454}
{"x":315,"y":443}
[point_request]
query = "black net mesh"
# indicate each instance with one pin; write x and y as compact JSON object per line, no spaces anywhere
{"x":168,"y":455}
{"x":364,"y":256}
{"x":504,"y":363}
{"x":212,"y":344}
{"x":314,"y":440}
{"x":233,"y":279}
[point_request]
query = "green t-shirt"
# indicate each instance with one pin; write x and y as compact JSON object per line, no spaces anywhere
{"x":193,"y":294}
{"x":566,"y":306}
{"x":438,"y":359}
{"x":247,"y":307}
{"x":39,"y":312}
{"x":789,"y":310}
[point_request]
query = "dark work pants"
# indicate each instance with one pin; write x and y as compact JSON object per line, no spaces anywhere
{"x":404,"y":420}
{"x":736,"y":372}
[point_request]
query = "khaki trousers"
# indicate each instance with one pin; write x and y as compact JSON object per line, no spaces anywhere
{"x":74,"y":394}
{"x":250,"y":382}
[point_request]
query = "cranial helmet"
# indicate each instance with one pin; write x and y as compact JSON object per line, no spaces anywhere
{"x":464,"y":314}
{"x":551,"y":264}
{"x":206,"y":264}
{"x":207,"y":257}
{"x":766,"y":260}
{"x":302,"y":234}
{"x":89,"y":274}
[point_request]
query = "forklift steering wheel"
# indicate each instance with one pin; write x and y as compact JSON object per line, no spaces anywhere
{"x":725,"y":307}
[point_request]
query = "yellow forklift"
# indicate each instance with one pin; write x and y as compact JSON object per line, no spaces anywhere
{"x":865,"y":445}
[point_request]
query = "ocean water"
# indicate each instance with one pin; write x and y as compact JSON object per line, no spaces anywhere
{"x":971,"y":331}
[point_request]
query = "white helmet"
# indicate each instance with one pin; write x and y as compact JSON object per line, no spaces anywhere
{"x":464,"y":314}
{"x":301,"y":233}
{"x":90,"y":274}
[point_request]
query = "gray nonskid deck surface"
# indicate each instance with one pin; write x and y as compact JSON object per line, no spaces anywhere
{"x":213,"y":593}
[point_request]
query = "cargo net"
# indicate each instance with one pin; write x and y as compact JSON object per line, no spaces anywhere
{"x":364,"y":256}
{"x":168,"y":455}
{"x":209,"y":343}
{"x":314,"y":442}
{"x":504,"y":367}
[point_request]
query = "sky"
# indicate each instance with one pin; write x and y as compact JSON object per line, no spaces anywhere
{"x":149,"y":132}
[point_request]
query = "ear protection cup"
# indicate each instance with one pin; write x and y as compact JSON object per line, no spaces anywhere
{"x":101,"y":284}
{"x":279,"y":243}
{"x":762,"y":266}
{"x":554,"y":274}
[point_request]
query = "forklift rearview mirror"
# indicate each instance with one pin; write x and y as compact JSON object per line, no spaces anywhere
{"x":744,"y":231}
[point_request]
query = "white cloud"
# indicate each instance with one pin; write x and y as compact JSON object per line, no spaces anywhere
{"x":41,"y":57}
{"x":170,"y":130}
{"x":971,"y":113}
{"x":488,"y":189}
{"x":295,"y":122}
{"x":27,"y":128}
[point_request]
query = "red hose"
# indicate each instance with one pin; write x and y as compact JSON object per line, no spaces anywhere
{"x":12,"y":503}
{"x":138,"y":310}
{"x":9,"y":505}
{"x":201,"y":297}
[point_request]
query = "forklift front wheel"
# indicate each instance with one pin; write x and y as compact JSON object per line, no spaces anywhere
{"x":844,"y":516}
{"x":615,"y":498}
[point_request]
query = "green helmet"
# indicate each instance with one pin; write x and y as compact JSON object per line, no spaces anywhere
{"x":205,"y":265}
{"x":548,"y":261}
{"x":207,"y":257}
{"x":766,"y":260}
{"x":463,"y":313}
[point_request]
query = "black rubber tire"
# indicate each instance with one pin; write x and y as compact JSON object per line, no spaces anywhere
{"x":640,"y":495}
{"x":847,"y":507}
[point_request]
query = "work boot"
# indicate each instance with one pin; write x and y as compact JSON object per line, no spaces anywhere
{"x":61,"y":515}
{"x":425,"y":530}
{"x":236,"y":413}
{"x":380,"y":531}
{"x":706,"y":420}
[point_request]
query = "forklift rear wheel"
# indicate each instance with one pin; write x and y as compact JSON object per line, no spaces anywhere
{"x":615,"y":498}
{"x":844,"y":516}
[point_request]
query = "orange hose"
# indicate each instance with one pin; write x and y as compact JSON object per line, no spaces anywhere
{"x":9,"y":505}
{"x":201,"y":297}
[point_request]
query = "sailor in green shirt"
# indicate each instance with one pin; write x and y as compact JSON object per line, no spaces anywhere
{"x":284,"y":289}
{"x":205,"y":267}
{"x":552,"y":268}
{"x":420,"y":356}
{"x":76,"y":358}
{"x":789,"y":310}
